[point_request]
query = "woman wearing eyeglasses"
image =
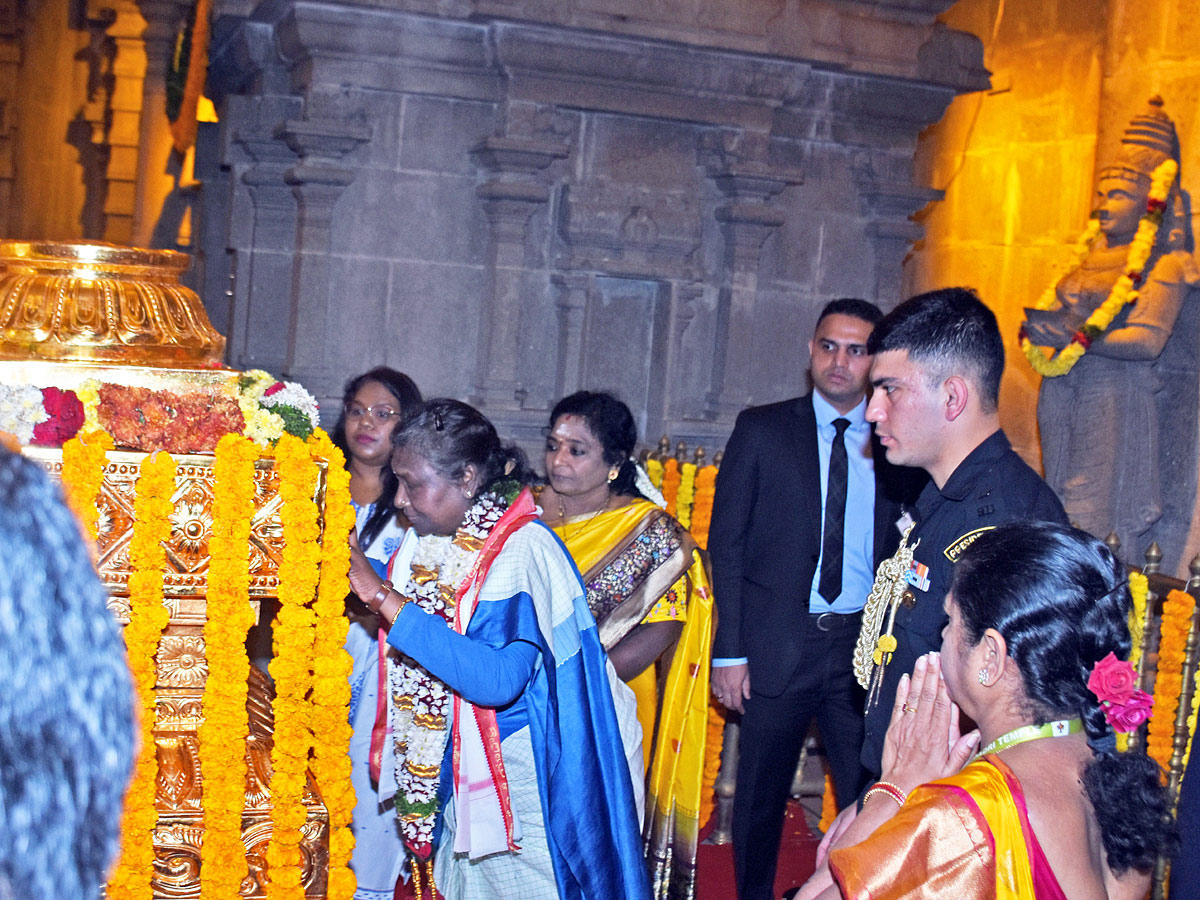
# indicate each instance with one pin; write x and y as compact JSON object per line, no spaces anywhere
{"x":373,"y":404}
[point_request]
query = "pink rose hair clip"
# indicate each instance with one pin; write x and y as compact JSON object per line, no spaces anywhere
{"x":1114,"y":682}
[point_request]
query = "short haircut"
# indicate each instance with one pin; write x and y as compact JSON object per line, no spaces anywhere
{"x":949,"y":332}
{"x":852,"y":306}
{"x":67,"y":706}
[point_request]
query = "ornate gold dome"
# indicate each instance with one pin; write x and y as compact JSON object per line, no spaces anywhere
{"x":98,"y":302}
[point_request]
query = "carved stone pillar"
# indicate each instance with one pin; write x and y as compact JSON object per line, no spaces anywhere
{"x":317,"y":181}
{"x":154,"y":182}
{"x":263,"y":247}
{"x":747,"y":220}
{"x":510,"y":197}
{"x":572,"y":306}
{"x":890,"y":201}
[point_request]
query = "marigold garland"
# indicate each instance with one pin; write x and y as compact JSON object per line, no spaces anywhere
{"x":332,"y":666}
{"x":1139,"y":591}
{"x":147,"y":618}
{"x":713,"y":742}
{"x":654,"y":471}
{"x":1168,"y":682}
{"x":1123,"y":291}
{"x":686,"y":495}
{"x":222,"y":736}
{"x":89,"y":395}
{"x":82,"y":475}
{"x":701,"y":517}
{"x":706,"y":490}
{"x":670,"y":484}
{"x":1191,"y":724}
{"x":829,"y":808}
{"x":295,"y":628}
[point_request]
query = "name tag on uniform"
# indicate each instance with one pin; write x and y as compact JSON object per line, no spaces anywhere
{"x":918,"y":575}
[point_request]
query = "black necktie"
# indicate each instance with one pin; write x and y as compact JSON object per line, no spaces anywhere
{"x":835,"y":515}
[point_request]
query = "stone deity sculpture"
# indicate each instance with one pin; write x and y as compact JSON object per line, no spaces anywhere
{"x":1100,"y":420}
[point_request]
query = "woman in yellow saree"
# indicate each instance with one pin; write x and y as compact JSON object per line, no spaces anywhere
{"x":648,"y":587}
{"x":1046,"y":809}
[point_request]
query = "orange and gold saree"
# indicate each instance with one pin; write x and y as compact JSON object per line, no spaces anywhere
{"x":640,"y":565}
{"x":966,"y":837}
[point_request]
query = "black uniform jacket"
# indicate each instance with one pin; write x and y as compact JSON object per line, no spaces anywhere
{"x":993,"y":485}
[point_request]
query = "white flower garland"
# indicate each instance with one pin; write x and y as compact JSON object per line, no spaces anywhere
{"x":21,"y":410}
{"x":422,"y":703}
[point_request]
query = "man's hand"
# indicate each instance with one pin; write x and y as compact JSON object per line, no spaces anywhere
{"x":731,"y":686}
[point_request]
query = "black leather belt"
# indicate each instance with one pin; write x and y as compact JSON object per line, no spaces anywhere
{"x":828,"y":621}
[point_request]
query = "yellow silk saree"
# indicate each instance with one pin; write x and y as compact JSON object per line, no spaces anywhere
{"x":966,"y":837}
{"x":640,"y":565}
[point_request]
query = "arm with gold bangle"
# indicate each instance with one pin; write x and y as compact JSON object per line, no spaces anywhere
{"x":388,"y":602}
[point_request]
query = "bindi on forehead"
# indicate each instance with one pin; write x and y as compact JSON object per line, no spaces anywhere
{"x":573,"y":429}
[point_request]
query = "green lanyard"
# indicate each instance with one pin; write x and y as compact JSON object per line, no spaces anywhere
{"x":1059,"y":728}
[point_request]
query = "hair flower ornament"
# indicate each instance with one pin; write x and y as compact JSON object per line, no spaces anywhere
{"x":1114,"y":682}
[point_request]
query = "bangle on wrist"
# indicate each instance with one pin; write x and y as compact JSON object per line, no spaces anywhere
{"x":886,"y":787}
{"x":399,"y":609}
{"x":380,"y":595}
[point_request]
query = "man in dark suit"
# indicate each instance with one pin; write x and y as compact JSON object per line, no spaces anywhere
{"x":804,"y":510}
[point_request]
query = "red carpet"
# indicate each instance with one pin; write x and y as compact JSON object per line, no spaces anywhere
{"x":797,"y":859}
{"x":714,"y":864}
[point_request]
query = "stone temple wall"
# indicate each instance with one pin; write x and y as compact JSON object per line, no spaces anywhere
{"x":1018,"y":164}
{"x":510,"y":201}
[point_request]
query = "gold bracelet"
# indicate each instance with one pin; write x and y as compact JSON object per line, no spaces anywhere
{"x":399,"y":609}
{"x":886,"y":787}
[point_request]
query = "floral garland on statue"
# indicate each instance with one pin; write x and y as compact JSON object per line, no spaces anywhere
{"x":222,"y":736}
{"x":148,"y":617}
{"x":686,"y":495}
{"x":1139,"y":591}
{"x":1123,"y":292}
{"x":295,"y":628}
{"x":332,"y":667}
{"x":83,"y":462}
{"x":1168,"y":681}
{"x":440,"y":565}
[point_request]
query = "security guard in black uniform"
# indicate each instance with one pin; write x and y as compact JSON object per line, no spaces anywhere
{"x":935,"y":378}
{"x":993,"y":485}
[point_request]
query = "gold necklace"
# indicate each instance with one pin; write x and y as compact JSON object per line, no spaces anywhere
{"x":586,"y":523}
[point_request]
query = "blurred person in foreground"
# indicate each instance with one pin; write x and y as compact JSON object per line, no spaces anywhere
{"x":1045,"y":806}
{"x":66,"y":707}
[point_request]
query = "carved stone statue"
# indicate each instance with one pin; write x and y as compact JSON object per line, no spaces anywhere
{"x":1100,"y":420}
